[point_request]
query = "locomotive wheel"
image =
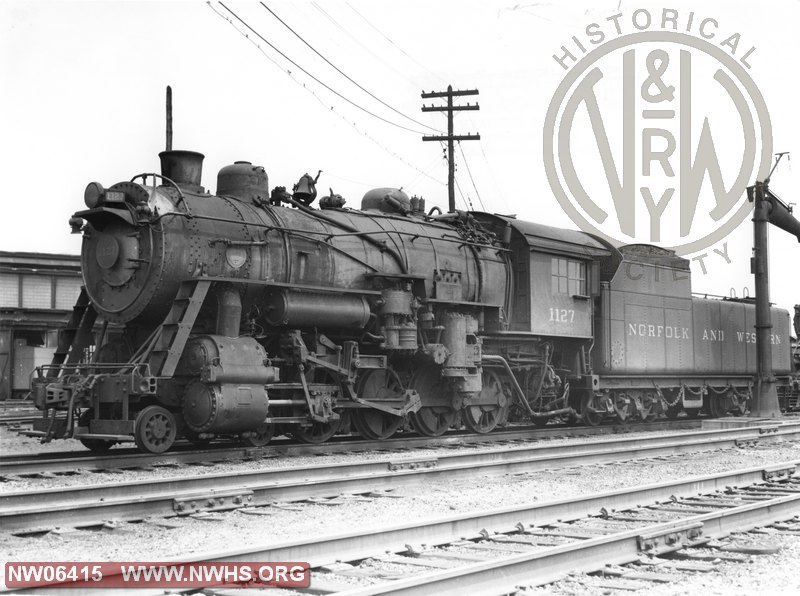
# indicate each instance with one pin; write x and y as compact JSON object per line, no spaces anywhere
{"x":374,"y":424}
{"x":485,"y":418}
{"x":482,"y":419}
{"x":260,"y":436}
{"x":433,"y":419}
{"x":647,"y":412}
{"x":94,"y":445}
{"x":540,"y":421}
{"x":716,"y":405}
{"x":155,"y":429}
{"x":623,"y":408}
{"x":672,"y":412}
{"x":318,"y":432}
{"x":692,"y":413}
{"x":590,"y":416}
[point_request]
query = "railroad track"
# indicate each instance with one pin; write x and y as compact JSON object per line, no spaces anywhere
{"x":41,"y":510}
{"x":19,"y":419}
{"x":501,"y":551}
{"x":25,"y":465}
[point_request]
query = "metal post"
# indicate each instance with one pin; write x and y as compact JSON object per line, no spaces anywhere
{"x":451,"y":165}
{"x":765,"y":401}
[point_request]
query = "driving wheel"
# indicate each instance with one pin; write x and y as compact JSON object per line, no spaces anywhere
{"x":485,"y":417}
{"x":436,"y":414}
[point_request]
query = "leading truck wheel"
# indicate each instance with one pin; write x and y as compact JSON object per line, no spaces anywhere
{"x":93,"y":445}
{"x":260,"y":436}
{"x":155,"y":429}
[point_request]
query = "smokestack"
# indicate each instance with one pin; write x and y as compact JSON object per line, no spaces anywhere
{"x":184,"y":168}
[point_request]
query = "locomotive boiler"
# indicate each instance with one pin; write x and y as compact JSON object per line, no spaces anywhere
{"x":251,"y":312}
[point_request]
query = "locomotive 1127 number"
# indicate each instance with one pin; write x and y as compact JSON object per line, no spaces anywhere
{"x":562,"y":315}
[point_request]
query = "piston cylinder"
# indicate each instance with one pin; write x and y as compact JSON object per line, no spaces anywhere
{"x":226,"y":408}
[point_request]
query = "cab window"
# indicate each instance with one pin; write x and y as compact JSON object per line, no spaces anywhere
{"x":568,"y":276}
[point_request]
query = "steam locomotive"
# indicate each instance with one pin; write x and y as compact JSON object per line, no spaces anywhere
{"x":248,"y":313}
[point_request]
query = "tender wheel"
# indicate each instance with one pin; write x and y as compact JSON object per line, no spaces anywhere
{"x":260,"y":436}
{"x":436,"y":415}
{"x":672,"y":412}
{"x":484,"y":418}
{"x":155,"y":429}
{"x":692,"y":413}
{"x":374,"y":424}
{"x":318,"y":432}
{"x":648,"y":410}
{"x":591,"y":416}
{"x":623,"y":408}
{"x":94,"y":445}
{"x":716,"y":405}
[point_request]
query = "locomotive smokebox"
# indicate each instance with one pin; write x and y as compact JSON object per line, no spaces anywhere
{"x":243,"y":181}
{"x":184,"y":168}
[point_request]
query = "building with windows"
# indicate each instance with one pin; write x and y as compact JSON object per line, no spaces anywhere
{"x":37,"y":293}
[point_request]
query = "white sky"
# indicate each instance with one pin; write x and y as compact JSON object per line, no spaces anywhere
{"x":83,"y":99}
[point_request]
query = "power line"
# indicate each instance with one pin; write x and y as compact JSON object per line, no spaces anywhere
{"x":315,"y":78}
{"x":394,"y":44}
{"x":365,"y":47}
{"x":378,"y":99}
{"x":467,"y":203}
{"x":326,"y":106}
{"x":464,"y":157}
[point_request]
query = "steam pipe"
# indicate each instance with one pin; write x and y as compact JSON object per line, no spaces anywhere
{"x":229,"y":311}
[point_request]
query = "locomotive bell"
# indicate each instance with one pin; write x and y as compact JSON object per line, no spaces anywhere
{"x":243,"y":181}
{"x":184,"y":168}
{"x":305,"y":190}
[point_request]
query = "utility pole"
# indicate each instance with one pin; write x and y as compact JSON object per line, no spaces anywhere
{"x":767,"y":209}
{"x":450,"y":137}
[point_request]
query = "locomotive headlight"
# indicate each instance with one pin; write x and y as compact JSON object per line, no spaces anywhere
{"x":93,"y":194}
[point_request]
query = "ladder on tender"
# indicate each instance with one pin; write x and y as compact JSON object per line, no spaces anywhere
{"x":174,"y":331}
{"x":75,"y":337}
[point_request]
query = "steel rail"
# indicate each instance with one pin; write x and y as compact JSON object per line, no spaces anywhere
{"x":519,"y":569}
{"x":89,"y":505}
{"x":506,"y":574}
{"x":79,"y":460}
